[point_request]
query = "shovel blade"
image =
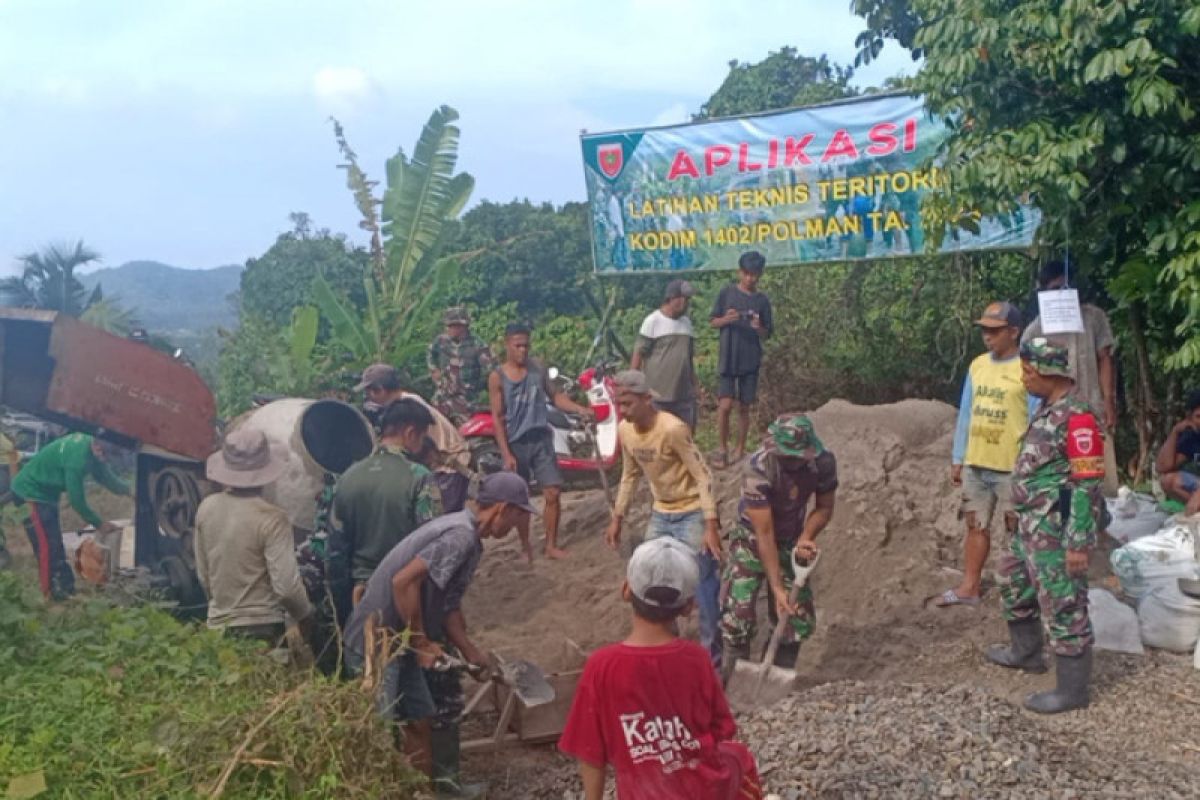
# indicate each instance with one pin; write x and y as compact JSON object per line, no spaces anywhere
{"x":754,"y":685}
{"x":529,"y":682}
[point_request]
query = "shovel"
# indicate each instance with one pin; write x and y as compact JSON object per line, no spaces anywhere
{"x":752,"y":685}
{"x":524,"y":678}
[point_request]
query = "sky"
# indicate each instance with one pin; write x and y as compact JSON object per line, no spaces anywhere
{"x":186,"y":131}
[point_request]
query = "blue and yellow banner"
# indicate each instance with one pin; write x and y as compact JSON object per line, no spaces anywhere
{"x":835,"y":182}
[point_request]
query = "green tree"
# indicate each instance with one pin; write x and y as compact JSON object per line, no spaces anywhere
{"x":1087,"y":106}
{"x":783,"y":79}
{"x":48,"y":281}
{"x":281,"y":279}
{"x":408,"y":226}
{"x":533,"y":255}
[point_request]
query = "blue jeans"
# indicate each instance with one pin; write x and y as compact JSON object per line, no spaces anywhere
{"x":688,"y":527}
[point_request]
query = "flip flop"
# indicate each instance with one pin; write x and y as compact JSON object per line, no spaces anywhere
{"x":720,"y":459}
{"x":950,"y":598}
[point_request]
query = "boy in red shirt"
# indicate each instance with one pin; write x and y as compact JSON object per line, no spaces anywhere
{"x":652,"y":706}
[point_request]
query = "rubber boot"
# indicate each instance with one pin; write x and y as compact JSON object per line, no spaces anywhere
{"x":447,"y":780}
{"x":729,"y":658}
{"x":1025,"y":652}
{"x":1074,"y":673}
{"x":786,"y":655}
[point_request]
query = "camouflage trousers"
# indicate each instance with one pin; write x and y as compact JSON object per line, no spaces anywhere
{"x":1034,"y":584}
{"x":744,"y":577}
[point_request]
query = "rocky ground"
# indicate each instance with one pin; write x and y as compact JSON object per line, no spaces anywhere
{"x":894,"y":699}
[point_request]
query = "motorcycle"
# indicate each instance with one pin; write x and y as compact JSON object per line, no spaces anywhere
{"x":583,"y":450}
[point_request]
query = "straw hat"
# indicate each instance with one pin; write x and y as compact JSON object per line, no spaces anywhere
{"x":246,"y":460}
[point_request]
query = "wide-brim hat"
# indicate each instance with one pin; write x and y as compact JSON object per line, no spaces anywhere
{"x":247,"y":460}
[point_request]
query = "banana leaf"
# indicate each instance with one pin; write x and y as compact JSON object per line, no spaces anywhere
{"x":348,"y":330}
{"x":418,"y":195}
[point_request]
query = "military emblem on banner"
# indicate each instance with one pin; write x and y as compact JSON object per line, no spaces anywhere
{"x":611,"y":159}
{"x":608,"y":155}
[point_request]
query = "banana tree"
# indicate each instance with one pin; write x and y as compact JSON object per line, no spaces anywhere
{"x":408,"y":275}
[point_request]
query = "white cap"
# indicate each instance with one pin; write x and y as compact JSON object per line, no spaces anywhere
{"x":663,"y":572}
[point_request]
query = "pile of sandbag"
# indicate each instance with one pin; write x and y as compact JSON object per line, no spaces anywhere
{"x":1149,"y":569}
{"x":1133,"y":515}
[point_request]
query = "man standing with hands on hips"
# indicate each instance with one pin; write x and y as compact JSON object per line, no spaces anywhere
{"x":743,"y":316}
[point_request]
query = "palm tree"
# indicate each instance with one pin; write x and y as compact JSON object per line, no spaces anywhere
{"x":48,"y":281}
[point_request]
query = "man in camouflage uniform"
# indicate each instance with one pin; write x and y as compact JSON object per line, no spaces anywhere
{"x":1057,"y":497}
{"x":459,"y":365}
{"x":778,"y":480}
{"x":380,"y":500}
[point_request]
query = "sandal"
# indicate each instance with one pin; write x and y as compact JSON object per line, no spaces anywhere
{"x":720,"y":459}
{"x":951,"y":598}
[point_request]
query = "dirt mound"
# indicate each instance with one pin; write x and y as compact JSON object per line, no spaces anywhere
{"x":882,"y":552}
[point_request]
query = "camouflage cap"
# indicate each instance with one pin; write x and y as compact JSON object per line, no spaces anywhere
{"x":793,"y":435}
{"x":456,"y":315}
{"x":1047,"y":357}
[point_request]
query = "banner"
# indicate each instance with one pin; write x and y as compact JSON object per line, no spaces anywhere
{"x":827,"y":183}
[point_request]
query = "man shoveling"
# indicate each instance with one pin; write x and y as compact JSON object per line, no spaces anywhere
{"x":417,"y":591}
{"x":778,"y":480}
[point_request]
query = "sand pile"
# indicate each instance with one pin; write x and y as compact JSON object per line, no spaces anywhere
{"x":881,"y":556}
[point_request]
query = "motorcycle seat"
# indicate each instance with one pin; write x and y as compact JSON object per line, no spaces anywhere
{"x":558,"y":418}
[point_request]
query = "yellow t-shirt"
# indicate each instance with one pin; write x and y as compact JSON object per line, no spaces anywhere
{"x":999,"y":413}
{"x":679,"y":478}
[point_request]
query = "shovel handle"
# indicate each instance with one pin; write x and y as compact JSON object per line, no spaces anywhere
{"x":798,"y":582}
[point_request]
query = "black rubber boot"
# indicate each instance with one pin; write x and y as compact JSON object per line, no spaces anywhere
{"x":1074,"y":675}
{"x":447,"y":781}
{"x":1025,"y":652}
{"x":730,"y":655}
{"x":786,"y":655}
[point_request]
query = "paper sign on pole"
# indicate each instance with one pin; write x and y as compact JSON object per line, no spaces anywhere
{"x":1060,"y":312}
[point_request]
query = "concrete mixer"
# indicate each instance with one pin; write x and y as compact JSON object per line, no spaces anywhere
{"x":320,"y":436}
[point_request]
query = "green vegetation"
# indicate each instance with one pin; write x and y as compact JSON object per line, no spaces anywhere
{"x":103,"y":701}
{"x":48,"y":281}
{"x":1090,"y":107}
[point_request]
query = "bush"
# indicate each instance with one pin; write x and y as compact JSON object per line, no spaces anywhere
{"x":103,"y":701}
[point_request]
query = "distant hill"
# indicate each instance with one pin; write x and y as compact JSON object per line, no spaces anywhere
{"x":168,"y":299}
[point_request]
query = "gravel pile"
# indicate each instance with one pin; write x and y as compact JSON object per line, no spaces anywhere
{"x":867,"y":740}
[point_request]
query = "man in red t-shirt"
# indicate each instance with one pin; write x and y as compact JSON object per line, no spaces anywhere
{"x":652,"y":706}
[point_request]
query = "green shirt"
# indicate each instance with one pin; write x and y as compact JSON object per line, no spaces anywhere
{"x":379,"y":501}
{"x":61,"y":466}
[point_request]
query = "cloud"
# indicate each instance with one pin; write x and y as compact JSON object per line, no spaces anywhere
{"x":341,"y":89}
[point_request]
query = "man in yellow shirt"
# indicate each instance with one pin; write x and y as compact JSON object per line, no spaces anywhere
{"x":659,"y":445}
{"x":992,"y":417}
